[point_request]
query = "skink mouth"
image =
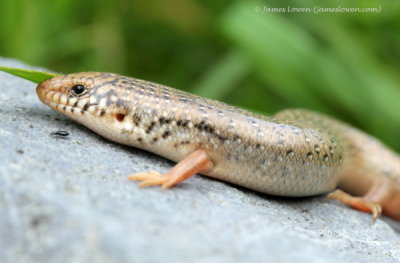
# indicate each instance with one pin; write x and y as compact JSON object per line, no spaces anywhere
{"x":47,"y":96}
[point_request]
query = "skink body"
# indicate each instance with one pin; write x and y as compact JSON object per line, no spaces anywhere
{"x":295,"y":153}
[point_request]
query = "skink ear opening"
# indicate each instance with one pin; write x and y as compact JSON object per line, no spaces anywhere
{"x":119,"y":117}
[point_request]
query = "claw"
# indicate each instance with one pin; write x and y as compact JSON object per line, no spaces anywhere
{"x":142,"y":176}
{"x":151,"y":178}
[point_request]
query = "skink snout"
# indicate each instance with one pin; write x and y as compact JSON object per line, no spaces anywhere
{"x":42,"y":89}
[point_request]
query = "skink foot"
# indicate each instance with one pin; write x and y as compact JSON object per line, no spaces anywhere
{"x":359,"y":203}
{"x":195,"y":162}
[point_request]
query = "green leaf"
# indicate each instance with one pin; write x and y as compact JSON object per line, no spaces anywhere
{"x":32,"y":75}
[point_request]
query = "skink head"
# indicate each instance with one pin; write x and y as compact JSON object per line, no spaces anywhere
{"x":75,"y":94}
{"x":91,"y":98}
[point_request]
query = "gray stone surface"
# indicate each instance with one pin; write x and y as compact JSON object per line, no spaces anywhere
{"x":68,"y":200}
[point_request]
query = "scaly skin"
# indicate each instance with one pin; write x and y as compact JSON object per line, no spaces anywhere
{"x":297,"y":153}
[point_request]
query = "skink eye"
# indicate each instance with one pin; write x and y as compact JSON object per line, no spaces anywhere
{"x":78,"y":90}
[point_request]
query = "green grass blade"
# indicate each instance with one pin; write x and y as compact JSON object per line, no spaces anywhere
{"x":32,"y":75}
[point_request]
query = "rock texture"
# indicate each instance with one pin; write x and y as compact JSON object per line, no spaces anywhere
{"x":66,"y":199}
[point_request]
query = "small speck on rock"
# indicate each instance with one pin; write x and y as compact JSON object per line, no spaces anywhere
{"x":60,"y":134}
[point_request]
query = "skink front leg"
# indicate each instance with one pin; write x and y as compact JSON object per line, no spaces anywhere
{"x":196,"y":162}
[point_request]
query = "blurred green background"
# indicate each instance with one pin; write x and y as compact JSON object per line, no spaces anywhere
{"x":342,"y":64}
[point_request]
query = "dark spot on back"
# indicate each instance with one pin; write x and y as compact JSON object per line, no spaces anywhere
{"x":182,"y":123}
{"x":148,"y":88}
{"x":136,"y":119}
{"x":102,"y":113}
{"x":185,"y":123}
{"x":222,"y":138}
{"x":163,"y":120}
{"x":203,"y":126}
{"x":150,"y":128}
{"x":126,"y":82}
{"x":208,"y":128}
{"x":166,"y":134}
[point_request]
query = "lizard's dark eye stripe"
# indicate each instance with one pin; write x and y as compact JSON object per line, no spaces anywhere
{"x":78,"y":90}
